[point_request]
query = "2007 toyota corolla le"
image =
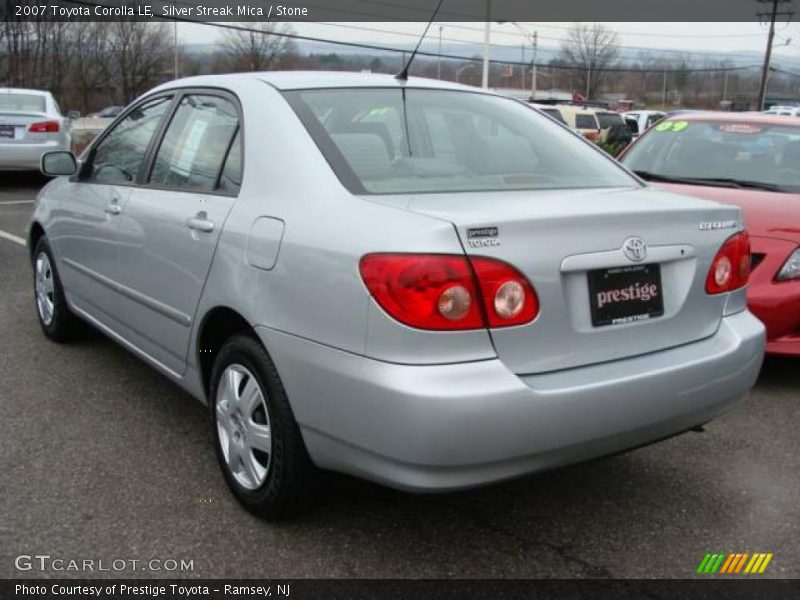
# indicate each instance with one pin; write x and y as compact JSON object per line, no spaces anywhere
{"x":418,"y":283}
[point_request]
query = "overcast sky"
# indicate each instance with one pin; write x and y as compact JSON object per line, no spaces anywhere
{"x":690,"y":37}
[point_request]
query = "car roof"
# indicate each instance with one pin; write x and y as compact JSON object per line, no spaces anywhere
{"x":306,"y":80}
{"x":6,"y":90}
{"x":738,"y":117}
{"x":576,"y":108}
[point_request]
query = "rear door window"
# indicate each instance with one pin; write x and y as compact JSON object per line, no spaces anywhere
{"x":196,"y":144}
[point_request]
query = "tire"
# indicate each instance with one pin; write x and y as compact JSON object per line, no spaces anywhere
{"x":58,"y":323}
{"x":271,"y":476}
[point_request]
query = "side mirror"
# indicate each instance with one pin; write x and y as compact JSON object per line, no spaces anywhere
{"x":73,"y":115}
{"x":58,"y":163}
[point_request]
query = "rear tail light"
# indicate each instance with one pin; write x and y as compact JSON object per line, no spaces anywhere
{"x":44,"y":127}
{"x":449,"y":292}
{"x":730,"y":269}
{"x":508,"y":297}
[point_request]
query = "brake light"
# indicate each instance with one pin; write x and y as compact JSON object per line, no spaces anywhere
{"x":449,"y":292}
{"x":730,"y":269}
{"x":44,"y":127}
{"x":509,"y":299}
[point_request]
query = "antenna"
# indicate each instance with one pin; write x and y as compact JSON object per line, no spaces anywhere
{"x":403,"y":75}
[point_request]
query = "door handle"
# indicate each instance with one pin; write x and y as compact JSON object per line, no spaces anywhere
{"x":113,"y":208}
{"x":200,"y":222}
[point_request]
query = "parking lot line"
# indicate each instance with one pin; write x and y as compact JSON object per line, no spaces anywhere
{"x":2,"y":202}
{"x":11,"y":237}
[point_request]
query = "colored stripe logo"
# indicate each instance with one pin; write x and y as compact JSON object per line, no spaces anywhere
{"x":734,"y":563}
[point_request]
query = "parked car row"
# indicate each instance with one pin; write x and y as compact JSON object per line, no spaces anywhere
{"x":593,"y":123}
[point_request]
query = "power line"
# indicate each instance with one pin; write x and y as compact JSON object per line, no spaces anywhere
{"x":401,"y":51}
{"x":467,"y":28}
{"x":542,"y":49}
{"x":626,"y":33}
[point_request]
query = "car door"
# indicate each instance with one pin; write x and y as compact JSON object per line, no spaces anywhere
{"x":171,"y":224}
{"x":86,"y":219}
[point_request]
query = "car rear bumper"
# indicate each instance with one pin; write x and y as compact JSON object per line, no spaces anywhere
{"x":445,"y":427}
{"x":26,"y":157}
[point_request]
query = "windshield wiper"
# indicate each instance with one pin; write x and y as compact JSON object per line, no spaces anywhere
{"x":656,"y":177}
{"x":710,"y":181}
{"x":742,"y":183}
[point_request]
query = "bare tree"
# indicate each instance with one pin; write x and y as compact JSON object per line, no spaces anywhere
{"x":138,"y":57}
{"x":592,"y":49}
{"x":91,"y":75}
{"x":263,"y":46}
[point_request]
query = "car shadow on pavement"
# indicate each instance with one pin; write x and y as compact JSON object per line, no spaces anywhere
{"x":780,"y":371}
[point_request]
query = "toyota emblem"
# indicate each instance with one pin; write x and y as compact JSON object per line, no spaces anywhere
{"x":635,"y":249}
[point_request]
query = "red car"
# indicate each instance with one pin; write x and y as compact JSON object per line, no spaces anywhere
{"x":752,"y":161}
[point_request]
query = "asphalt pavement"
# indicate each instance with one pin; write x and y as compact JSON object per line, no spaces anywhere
{"x":103,"y":459}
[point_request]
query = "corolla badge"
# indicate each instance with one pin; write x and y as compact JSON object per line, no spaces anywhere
{"x":635,"y":249}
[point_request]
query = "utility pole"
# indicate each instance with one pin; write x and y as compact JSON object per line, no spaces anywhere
{"x":588,"y":81}
{"x":439,"y":63}
{"x":533,"y":66}
{"x":487,"y":32}
{"x":725,"y":87}
{"x":175,"y":49}
{"x":772,"y":14}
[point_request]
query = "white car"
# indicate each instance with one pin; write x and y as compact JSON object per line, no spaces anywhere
{"x":31,"y":124}
{"x":784,"y":111}
{"x":639,"y":121}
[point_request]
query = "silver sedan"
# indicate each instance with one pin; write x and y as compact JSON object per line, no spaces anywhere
{"x":423,"y":284}
{"x":31,"y":124}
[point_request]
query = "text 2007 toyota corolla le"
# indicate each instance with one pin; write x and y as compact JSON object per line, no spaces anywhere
{"x":419,"y":283}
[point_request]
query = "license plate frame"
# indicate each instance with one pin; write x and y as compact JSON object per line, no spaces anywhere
{"x":621,"y":295}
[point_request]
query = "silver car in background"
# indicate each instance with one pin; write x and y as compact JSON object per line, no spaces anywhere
{"x":423,"y":284}
{"x":31,"y":124}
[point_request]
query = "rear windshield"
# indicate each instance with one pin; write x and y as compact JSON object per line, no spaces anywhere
{"x":585,"y":121}
{"x":385,"y":141}
{"x":748,"y":153}
{"x":22,"y":102}
{"x":608,"y":119}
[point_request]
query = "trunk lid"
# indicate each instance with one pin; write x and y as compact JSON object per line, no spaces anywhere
{"x":766,"y":214}
{"x":555,"y":238}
